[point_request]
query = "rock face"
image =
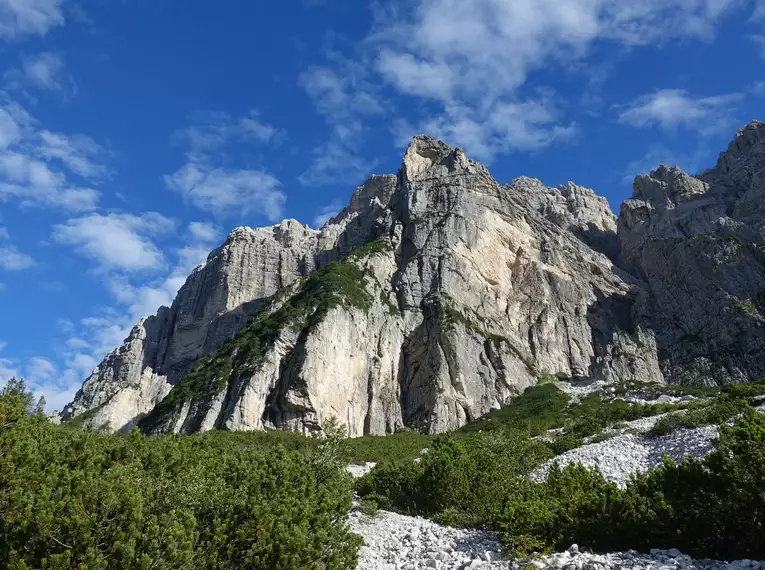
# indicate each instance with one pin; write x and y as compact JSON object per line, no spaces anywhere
{"x":697,"y":243}
{"x":436,"y":296}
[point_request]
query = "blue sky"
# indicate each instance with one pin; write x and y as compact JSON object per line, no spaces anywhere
{"x":135,"y":135}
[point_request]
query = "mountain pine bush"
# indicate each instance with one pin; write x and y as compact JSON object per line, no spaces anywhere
{"x":75,"y":499}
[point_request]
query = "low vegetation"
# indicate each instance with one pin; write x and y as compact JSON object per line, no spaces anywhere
{"x":545,"y":407}
{"x":696,"y":507}
{"x":75,"y":499}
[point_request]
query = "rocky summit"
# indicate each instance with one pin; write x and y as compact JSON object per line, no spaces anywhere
{"x":439,"y":294}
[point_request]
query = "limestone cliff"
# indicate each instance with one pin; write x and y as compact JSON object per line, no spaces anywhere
{"x":697,"y":243}
{"x":438,"y":295}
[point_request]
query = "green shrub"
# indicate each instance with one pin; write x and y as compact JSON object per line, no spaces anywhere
{"x":717,"y":411}
{"x":564,"y":443}
{"x":712,"y":508}
{"x":369,"y":506}
{"x":74,"y":499}
{"x":751,"y":390}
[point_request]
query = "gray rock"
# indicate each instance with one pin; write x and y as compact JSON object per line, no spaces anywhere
{"x":697,"y":243}
{"x":474,"y":290}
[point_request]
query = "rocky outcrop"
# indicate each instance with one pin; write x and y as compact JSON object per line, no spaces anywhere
{"x":438,"y":295}
{"x":697,"y":243}
{"x":573,"y":208}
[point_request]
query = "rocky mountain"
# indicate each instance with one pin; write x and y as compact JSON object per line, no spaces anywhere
{"x":438,"y":295}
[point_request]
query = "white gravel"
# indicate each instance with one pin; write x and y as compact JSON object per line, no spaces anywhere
{"x":619,"y":457}
{"x":398,"y":542}
{"x":360,"y":470}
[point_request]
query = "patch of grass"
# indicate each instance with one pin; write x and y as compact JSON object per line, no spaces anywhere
{"x":546,"y":379}
{"x":368,"y":506}
{"x":452,"y":317}
{"x":544,"y":407}
{"x":83,"y":419}
{"x":564,"y":443}
{"x":404,"y":445}
{"x":538,"y":409}
{"x":744,"y":305}
{"x":372,"y":248}
{"x":718,"y":411}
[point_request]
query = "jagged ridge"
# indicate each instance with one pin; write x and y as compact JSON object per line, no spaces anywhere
{"x":470,"y":292}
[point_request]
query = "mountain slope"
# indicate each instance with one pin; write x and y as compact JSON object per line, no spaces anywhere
{"x":438,"y":295}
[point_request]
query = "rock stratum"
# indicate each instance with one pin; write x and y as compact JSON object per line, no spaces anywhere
{"x":438,"y":295}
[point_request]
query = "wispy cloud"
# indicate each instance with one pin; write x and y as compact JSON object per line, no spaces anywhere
{"x":36,"y":164}
{"x":46,"y":70}
{"x":29,"y":17}
{"x":79,"y":153}
{"x":221,"y":189}
{"x":470,"y":61}
{"x":759,"y":10}
{"x":116,"y":241}
{"x":659,"y":154}
{"x":673,"y":108}
{"x":204,"y":232}
{"x":344,"y":96}
{"x":327,"y":213}
{"x":13,"y":260}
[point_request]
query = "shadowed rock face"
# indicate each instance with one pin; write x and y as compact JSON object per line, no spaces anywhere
{"x":438,"y":295}
{"x":697,"y":243}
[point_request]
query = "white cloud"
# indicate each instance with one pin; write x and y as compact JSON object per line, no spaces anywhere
{"x":40,"y":368}
{"x":659,"y":154}
{"x":212,"y":131}
{"x":42,"y":378}
{"x":77,"y":343}
{"x":29,"y":158}
{"x":124,"y":250}
{"x":8,"y":370}
{"x":146,"y":299}
{"x":344,"y":96}
{"x":672,"y":108}
{"x":340,"y":94}
{"x":338,"y":159}
{"x":29,"y":17}
{"x":77,"y":153}
{"x":223,"y":190}
{"x":759,"y":10}
{"x":45,"y":70}
{"x":204,"y":231}
{"x":327,"y":213}
{"x":472,"y":59}
{"x":10,"y":131}
{"x":116,"y":241}
{"x":13,"y":260}
{"x":529,"y":125}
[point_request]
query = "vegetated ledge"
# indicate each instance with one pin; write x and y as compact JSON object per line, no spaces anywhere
{"x":339,"y":283}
